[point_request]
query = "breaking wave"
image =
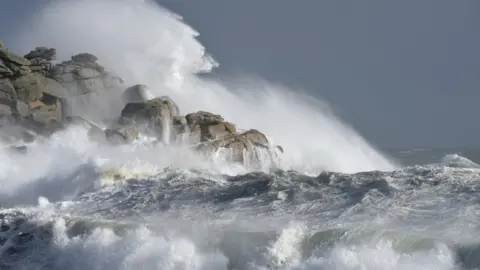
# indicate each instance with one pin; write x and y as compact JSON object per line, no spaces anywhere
{"x":332,"y":201}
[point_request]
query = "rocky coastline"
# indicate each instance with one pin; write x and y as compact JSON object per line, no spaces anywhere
{"x":39,"y":97}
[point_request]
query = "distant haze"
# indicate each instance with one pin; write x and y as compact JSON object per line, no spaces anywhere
{"x":403,"y":73}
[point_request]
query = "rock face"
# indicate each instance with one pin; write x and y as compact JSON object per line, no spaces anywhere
{"x":27,"y":97}
{"x":155,"y":115}
{"x":38,"y":94}
{"x":42,"y":60}
{"x":205,"y":126}
{"x":237,"y":144}
{"x":90,"y":88}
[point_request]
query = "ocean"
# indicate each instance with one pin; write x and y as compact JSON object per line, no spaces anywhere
{"x":332,"y":200}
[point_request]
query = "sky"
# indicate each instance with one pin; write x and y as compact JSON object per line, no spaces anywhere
{"x":402,"y":73}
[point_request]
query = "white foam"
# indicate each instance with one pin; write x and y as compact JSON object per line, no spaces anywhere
{"x":381,"y":256}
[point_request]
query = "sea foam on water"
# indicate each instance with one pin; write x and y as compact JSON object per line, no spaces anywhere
{"x":201,"y":218}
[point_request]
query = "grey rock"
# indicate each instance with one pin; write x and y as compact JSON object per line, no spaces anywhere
{"x":203,"y":118}
{"x":122,"y":135}
{"x":86,"y":73}
{"x":236,"y":144}
{"x":7,"y":91}
{"x":42,"y":53}
{"x":22,"y":108}
{"x":149,"y":110}
{"x":28,"y":87}
{"x":52,"y":87}
{"x":4,"y":70}
{"x":8,"y":56}
{"x":5,"y":110}
{"x":84,"y":58}
{"x":18,"y":69}
{"x":137,"y":93}
{"x":48,"y":113}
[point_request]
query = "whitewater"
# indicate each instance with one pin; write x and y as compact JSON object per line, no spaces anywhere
{"x":332,"y":201}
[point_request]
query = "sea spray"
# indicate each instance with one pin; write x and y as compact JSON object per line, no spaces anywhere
{"x":147,"y":44}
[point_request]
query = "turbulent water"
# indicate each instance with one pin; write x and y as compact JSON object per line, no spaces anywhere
{"x":331,"y":201}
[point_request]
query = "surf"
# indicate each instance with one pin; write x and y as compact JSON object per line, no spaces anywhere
{"x":148,"y":44}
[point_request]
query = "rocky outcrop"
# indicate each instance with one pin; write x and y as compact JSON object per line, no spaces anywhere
{"x":205,"y":126}
{"x":42,"y":60}
{"x":27,"y":97}
{"x":91,"y":89}
{"x":38,"y":96}
{"x":249,"y":147}
{"x":155,"y":116}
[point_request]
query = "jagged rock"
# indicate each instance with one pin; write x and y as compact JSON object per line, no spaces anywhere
{"x":18,"y":70}
{"x":204,"y":126}
{"x":219,"y":130}
{"x":7,"y":92}
{"x":90,"y":90}
{"x":203,"y":118}
{"x":84,"y":58}
{"x":28,"y":87}
{"x":42,"y":60}
{"x":8,"y":56}
{"x":137,"y":93}
{"x":150,"y":110}
{"x":157,"y":114}
{"x":236,"y":144}
{"x":122,"y":135}
{"x":4,"y":70}
{"x":42,"y":53}
{"x":53,"y":88}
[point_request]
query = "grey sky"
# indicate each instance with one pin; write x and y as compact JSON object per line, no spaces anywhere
{"x":403,"y":73}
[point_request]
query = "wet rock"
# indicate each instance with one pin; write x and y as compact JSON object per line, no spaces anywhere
{"x":149,"y":110}
{"x":204,"y":126}
{"x":122,"y":135}
{"x":203,"y":118}
{"x":137,"y":93}
{"x":155,"y":114}
{"x":236,"y":145}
